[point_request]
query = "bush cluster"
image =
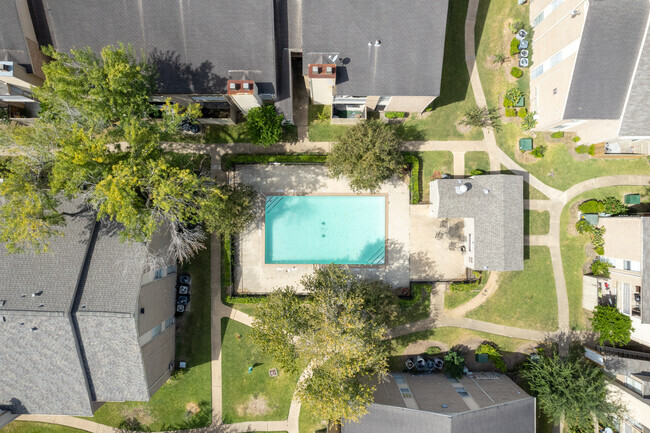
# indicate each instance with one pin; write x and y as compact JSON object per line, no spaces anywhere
{"x":226,"y":268}
{"x":477,"y":172}
{"x":395,"y":114}
{"x":245,"y":299}
{"x":466,"y":287}
{"x":614,"y":206}
{"x":557,"y":134}
{"x":576,"y":139}
{"x":514,"y":47}
{"x":529,"y":121}
{"x":414,"y":184}
{"x":494,"y":355}
{"x":592,"y":149}
{"x":516,"y":72}
{"x":595,"y":234}
{"x":511,"y":112}
{"x":416,"y":294}
{"x":508,"y":103}
{"x":228,"y":161}
{"x":600,"y":268}
{"x":538,"y":152}
{"x":583,"y":148}
{"x":592,"y":206}
{"x":522,"y":113}
{"x":514,"y":94}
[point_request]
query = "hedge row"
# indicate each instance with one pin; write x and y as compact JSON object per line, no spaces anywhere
{"x":414,"y":185}
{"x":229,"y":160}
{"x":245,"y":299}
{"x":226,"y":261}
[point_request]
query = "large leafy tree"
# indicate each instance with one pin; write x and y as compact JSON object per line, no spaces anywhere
{"x":95,"y":142}
{"x":339,"y":330}
{"x":611,"y":325}
{"x":572,"y":390}
{"x":367,"y":154}
{"x":264,"y":125}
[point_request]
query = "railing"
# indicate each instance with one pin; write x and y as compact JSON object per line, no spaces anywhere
{"x":623,"y":353}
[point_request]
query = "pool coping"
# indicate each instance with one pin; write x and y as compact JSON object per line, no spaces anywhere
{"x":281,"y":266}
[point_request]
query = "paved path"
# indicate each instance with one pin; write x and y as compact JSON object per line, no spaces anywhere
{"x":489,"y":288}
{"x":459,"y":163}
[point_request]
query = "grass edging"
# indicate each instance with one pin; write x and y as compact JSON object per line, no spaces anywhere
{"x":230,"y":159}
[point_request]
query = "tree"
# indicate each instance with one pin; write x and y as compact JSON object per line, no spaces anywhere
{"x":611,"y":325}
{"x":95,"y":143}
{"x":340,"y":331}
{"x":454,"y":363}
{"x":600,"y":268}
{"x":571,"y":390}
{"x":367,"y":154}
{"x":482,"y":117}
{"x":264,"y":125}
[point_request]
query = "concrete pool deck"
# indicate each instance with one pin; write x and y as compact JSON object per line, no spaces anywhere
{"x":253,"y":276}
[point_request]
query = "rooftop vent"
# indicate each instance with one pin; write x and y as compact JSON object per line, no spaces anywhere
{"x":461,"y":189}
{"x":486,"y":191}
{"x":23,"y":295}
{"x":377,"y":43}
{"x":2,"y":302}
{"x":34,"y":329}
{"x":575,"y":13}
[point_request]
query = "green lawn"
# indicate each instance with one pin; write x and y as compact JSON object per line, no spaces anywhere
{"x":452,"y":336}
{"x":536,"y":222}
{"x":36,"y":427}
{"x":525,"y":299}
{"x":573,"y":250}
{"x":308,"y":422}
{"x":255,"y":396}
{"x":530,"y":192}
{"x":320,"y":129}
{"x":167,"y":408}
{"x":476,"y":160}
{"x":419,"y":308}
{"x":455,"y":299}
{"x":432,"y":161}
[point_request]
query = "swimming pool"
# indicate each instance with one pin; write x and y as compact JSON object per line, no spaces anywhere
{"x":325,"y":229}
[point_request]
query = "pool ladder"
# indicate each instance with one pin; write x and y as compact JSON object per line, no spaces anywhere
{"x":378,"y":257}
{"x":272,"y":202}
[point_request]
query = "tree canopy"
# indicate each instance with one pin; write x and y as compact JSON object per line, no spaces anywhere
{"x":611,"y":325}
{"x":264,"y":125}
{"x":367,"y":154}
{"x":339,"y":330}
{"x":571,"y":390}
{"x":95,"y":141}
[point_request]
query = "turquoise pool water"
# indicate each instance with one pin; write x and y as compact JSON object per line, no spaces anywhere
{"x":325,"y":229}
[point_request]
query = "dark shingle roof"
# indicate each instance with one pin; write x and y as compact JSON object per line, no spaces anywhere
{"x":636,"y":117}
{"x":498,"y":217}
{"x":611,"y":39}
{"x":409,"y":60}
{"x":13,"y":46}
{"x":194,"y":42}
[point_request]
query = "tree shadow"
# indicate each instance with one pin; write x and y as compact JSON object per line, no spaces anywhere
{"x":176,"y":77}
{"x":408,"y":132}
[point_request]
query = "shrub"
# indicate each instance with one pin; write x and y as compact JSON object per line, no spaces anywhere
{"x":600,"y":268}
{"x":592,"y":206}
{"x":514,"y":47}
{"x":600,"y":250}
{"x":612,"y":325}
{"x":596,"y":235}
{"x":229,"y":160}
{"x":583,"y":226}
{"x":516,"y":25}
{"x":583,"y":148}
{"x":516,"y":72}
{"x":414,"y":183}
{"x":592,"y":149}
{"x":477,"y":172}
{"x":432,"y":351}
{"x":529,"y":121}
{"x":264,"y":124}
{"x":416,"y":294}
{"x":614,"y":206}
{"x":511,"y":112}
{"x":466,"y":287}
{"x":514,"y":94}
{"x":494,"y":355}
{"x":523,"y":112}
{"x":576,"y":139}
{"x":394,"y":115}
{"x":508,"y":103}
{"x":557,"y":134}
{"x":538,"y":152}
{"x":245,"y":299}
{"x":481,"y":117}
{"x":454,"y":364}
{"x":226,"y":261}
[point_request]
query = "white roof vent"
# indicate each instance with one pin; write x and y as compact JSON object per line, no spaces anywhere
{"x":486,"y":191}
{"x":377,"y":43}
{"x":461,"y":189}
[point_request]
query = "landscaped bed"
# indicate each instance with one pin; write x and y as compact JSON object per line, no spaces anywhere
{"x":524,"y":299}
{"x":573,"y":249}
{"x":254,"y":396}
{"x":188,"y":390}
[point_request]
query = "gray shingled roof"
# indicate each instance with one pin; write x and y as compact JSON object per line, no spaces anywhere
{"x":611,"y":39}
{"x":636,"y":117}
{"x":85,"y":343}
{"x":13,"y":46}
{"x":196,"y":43}
{"x":412,"y":35}
{"x":645,"y":283}
{"x":513,"y":417}
{"x":498,"y":217}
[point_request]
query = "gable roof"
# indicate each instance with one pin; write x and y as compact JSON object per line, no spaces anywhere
{"x":498,"y":216}
{"x":197,"y":44}
{"x":609,"y":47}
{"x":13,"y":46}
{"x":407,"y":63}
{"x":82,"y":344}
{"x":636,"y":117}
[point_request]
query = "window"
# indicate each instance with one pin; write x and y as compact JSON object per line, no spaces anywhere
{"x":171,"y":269}
{"x":169,"y":322}
{"x":157,"y":274}
{"x":557,"y":58}
{"x":538,"y":19}
{"x":627,"y":265}
{"x":634,"y":385}
{"x":537,"y":71}
{"x":156,"y":331}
